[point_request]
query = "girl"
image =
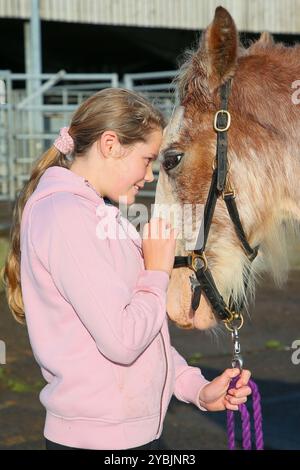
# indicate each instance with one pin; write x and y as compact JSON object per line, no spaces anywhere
{"x":94,"y":302}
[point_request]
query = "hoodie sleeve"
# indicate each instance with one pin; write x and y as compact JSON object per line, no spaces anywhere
{"x":122,"y":321}
{"x":189,"y":381}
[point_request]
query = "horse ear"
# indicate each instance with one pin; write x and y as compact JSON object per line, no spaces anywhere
{"x":266,"y":39}
{"x":221,"y":48}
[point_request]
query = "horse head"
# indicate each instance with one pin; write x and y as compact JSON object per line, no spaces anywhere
{"x":263,"y":164}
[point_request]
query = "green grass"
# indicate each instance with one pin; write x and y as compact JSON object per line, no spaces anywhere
{"x":3,"y":253}
{"x":3,"y":250}
{"x":195,"y":359}
{"x":274,"y":344}
{"x":17,"y":385}
{"x":294,"y":254}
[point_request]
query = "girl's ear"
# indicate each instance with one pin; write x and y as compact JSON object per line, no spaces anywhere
{"x":108,"y":143}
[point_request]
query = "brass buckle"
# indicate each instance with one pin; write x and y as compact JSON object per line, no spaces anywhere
{"x":193,"y":263}
{"x":218,"y":129}
{"x":233,"y":318}
{"x":230,"y":192}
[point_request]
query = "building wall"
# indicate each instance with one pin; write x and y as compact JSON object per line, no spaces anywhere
{"x":277,"y":16}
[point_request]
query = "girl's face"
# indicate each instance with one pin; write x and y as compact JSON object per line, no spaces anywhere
{"x":133,"y":168}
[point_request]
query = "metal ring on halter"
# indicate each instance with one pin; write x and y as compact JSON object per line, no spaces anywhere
{"x":234,"y":317}
{"x":194,"y":261}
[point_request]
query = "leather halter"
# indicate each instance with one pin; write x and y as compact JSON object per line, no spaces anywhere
{"x":220,"y":185}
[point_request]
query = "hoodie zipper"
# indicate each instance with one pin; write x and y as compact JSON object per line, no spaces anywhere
{"x":90,"y":186}
{"x":105,"y":199}
{"x":165,"y":381}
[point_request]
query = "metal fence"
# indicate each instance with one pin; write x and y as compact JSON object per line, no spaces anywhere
{"x":34,"y":108}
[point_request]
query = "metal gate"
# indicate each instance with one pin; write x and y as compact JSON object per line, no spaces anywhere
{"x":29,"y":122}
{"x":31,"y":116}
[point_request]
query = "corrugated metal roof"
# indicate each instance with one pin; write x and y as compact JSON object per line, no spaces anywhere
{"x":277,"y":16}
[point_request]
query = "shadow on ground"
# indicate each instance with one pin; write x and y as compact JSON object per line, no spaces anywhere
{"x":266,"y":344}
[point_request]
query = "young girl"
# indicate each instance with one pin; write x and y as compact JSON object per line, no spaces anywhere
{"x":95,"y":305}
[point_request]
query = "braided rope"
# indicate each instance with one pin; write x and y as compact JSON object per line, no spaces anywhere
{"x":245,"y":417}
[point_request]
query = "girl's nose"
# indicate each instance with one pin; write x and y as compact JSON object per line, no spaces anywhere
{"x":149,"y":177}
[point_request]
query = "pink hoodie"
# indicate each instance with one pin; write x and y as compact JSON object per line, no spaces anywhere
{"x":97,"y":320}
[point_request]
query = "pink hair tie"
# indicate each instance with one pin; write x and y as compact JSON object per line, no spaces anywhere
{"x":64,"y":143}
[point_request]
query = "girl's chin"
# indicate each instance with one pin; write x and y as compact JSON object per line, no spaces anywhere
{"x":128,"y":198}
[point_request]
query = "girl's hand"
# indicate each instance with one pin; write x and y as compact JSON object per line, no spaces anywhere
{"x":158,"y":244}
{"x":214,"y":396}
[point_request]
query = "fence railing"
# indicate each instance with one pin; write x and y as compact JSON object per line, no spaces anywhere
{"x":30,"y":119}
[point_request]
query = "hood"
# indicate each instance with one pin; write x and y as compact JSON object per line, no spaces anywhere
{"x":59,"y":179}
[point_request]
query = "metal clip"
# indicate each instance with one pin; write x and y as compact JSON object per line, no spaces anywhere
{"x":194,"y":283}
{"x":237,"y":360}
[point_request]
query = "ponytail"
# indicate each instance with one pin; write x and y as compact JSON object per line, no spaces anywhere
{"x":11,"y":272}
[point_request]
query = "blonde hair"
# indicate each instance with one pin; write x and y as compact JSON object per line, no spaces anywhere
{"x":127,"y":113}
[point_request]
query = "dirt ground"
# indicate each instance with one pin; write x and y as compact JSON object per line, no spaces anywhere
{"x":266,"y":343}
{"x":267,"y":339}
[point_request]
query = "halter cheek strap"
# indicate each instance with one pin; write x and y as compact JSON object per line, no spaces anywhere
{"x":220,"y":186}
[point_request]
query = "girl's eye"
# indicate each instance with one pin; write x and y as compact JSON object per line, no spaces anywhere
{"x":149,"y":160}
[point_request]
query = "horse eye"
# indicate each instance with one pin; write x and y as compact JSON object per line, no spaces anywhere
{"x":171,"y":160}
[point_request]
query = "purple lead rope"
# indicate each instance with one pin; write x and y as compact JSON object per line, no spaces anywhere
{"x":245,"y":417}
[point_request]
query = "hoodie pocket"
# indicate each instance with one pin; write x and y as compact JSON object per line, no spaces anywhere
{"x":141,"y":384}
